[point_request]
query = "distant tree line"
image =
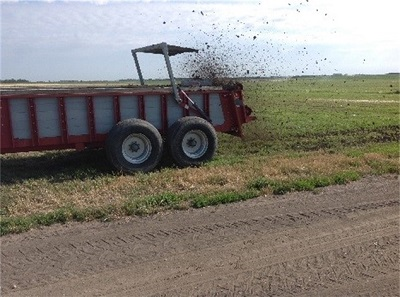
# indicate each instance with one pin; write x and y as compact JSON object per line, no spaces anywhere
{"x":14,"y":81}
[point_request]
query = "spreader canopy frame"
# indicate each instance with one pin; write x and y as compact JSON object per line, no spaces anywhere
{"x":167,"y":50}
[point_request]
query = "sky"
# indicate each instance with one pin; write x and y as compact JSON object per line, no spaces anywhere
{"x":91,"y":40}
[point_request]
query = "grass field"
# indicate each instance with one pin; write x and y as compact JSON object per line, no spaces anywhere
{"x":310,"y":132}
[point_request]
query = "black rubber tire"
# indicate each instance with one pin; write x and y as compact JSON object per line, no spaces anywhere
{"x":134,"y":145}
{"x":180,"y":135}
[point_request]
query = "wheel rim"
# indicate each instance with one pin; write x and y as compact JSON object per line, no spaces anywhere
{"x":195,"y":144}
{"x":136,"y":148}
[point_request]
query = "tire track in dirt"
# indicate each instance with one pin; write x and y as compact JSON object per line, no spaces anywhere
{"x":304,"y":274}
{"x":116,"y":251}
{"x":257,"y":256}
{"x":271,"y":222}
{"x":285,"y":245}
{"x":315,"y":253}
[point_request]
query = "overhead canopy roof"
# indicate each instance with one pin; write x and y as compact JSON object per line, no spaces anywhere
{"x":159,"y":48}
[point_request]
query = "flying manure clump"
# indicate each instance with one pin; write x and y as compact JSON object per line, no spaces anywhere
{"x":208,"y":66}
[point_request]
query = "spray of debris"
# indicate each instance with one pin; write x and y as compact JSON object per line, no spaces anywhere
{"x":229,"y":51}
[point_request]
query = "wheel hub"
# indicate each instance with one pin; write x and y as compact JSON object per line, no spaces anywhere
{"x":195,"y":144}
{"x":192,"y":142}
{"x":136,"y":148}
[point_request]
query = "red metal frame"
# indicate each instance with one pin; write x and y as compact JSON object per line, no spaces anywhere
{"x":164,"y":114}
{"x":117,"y":110}
{"x":206,"y":103}
{"x":90,"y":109}
{"x":234,"y":111}
{"x":63,"y":117}
{"x":6,"y":137}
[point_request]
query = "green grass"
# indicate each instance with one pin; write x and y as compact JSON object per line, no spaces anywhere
{"x":309,"y":133}
{"x":222,"y":198}
{"x":313,"y":113}
{"x":302,"y":184}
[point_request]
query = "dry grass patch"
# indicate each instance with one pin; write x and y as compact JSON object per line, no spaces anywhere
{"x":310,"y":164}
{"x":41,"y":195}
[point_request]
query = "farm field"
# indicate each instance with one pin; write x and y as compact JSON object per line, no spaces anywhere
{"x":310,"y":132}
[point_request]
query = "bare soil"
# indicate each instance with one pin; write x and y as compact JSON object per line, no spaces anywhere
{"x":340,"y":241}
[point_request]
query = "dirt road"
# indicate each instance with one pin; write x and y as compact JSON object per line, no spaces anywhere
{"x":341,"y":241}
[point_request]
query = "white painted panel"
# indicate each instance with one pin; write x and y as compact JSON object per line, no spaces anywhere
{"x":77,"y":115}
{"x":175,"y":112}
{"x":48,"y":117}
{"x":103,"y":114}
{"x":129,"y":107}
{"x":216,"y":113}
{"x":20,"y":120}
{"x":152,"y":108}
